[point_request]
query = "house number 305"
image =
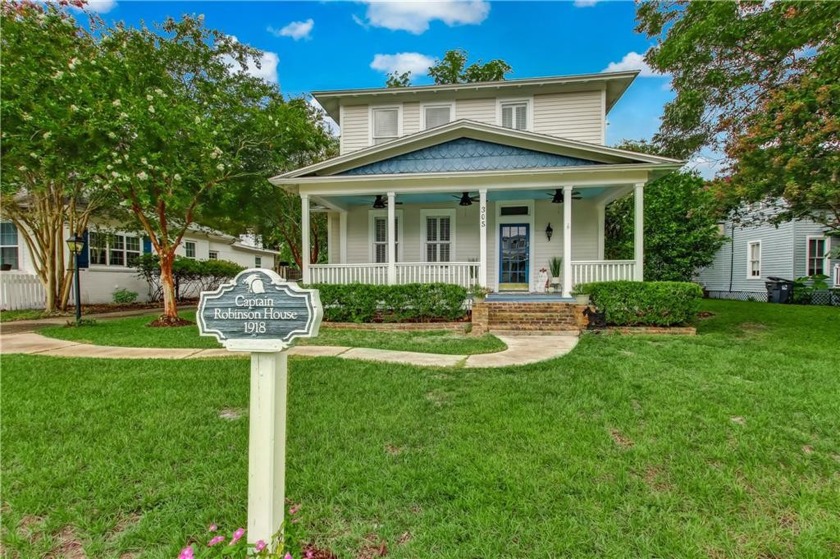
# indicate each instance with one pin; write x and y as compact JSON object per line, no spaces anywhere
{"x":255,"y":327}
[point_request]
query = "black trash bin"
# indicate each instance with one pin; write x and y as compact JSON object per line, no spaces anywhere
{"x":779,"y":290}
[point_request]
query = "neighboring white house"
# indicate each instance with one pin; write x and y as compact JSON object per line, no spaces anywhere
{"x":104,"y":265}
{"x":758,"y":250}
{"x":478,"y":183}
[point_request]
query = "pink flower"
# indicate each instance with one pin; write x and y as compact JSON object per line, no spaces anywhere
{"x":237,"y":536}
{"x":212,"y":528}
{"x":214,"y":541}
{"x":287,"y":556}
{"x":259,"y":546}
{"x":293,"y":509}
{"x":187,"y":553}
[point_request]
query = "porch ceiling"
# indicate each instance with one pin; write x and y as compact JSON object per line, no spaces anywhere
{"x":452,"y":197}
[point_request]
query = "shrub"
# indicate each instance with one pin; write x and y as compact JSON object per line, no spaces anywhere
{"x":416,"y":302}
{"x":124,"y":296}
{"x":191,"y":276}
{"x":634,"y":303}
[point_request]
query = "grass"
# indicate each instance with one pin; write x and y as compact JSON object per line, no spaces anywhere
{"x":132,"y":332}
{"x":726,"y":444}
{"x":27,"y":314}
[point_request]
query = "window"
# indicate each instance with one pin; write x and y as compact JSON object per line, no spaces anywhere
{"x":106,"y":249}
{"x":438,"y":239}
{"x":189,"y":249}
{"x":436,"y":115}
{"x":513,"y":210}
{"x":386,"y":124}
{"x":817,"y":263}
{"x":754,"y":260}
{"x":213,"y":255}
{"x":380,"y":238}
{"x":9,"y":245}
{"x":257,"y":262}
{"x":514,"y":114}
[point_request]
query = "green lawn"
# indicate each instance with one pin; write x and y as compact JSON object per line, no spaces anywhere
{"x":726,"y":444}
{"x":133,"y":332}
{"x":28,"y":314}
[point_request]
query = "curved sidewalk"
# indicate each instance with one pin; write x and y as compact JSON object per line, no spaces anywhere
{"x":521,"y":350}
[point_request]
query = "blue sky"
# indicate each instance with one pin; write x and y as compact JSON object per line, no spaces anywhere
{"x":313,"y":46}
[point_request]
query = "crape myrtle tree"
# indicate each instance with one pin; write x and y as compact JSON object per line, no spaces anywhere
{"x":187,"y":129}
{"x":681,"y":232}
{"x":452,"y":68}
{"x":759,"y":81}
{"x":51,"y":84}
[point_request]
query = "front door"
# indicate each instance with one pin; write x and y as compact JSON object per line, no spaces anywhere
{"x":514,"y":243}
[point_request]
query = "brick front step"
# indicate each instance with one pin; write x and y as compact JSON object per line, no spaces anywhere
{"x":524,"y":317}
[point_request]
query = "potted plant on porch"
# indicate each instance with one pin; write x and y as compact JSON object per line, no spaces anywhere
{"x":554,"y":266}
{"x":478,"y":293}
{"x":581,"y":298}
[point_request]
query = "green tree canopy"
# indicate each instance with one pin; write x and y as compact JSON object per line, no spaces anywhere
{"x":452,"y":68}
{"x":759,"y":81}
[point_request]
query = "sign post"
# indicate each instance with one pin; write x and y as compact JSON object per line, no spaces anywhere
{"x":261,"y":313}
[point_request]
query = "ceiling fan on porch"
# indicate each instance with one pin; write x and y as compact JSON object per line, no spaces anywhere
{"x":466,"y":199}
{"x":381,"y":202}
{"x":557,"y":196}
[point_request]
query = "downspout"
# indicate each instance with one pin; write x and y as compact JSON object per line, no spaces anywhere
{"x":731,"y":255}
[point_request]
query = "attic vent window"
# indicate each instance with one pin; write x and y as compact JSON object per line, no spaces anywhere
{"x":437,"y":115}
{"x":515,"y":115}
{"x":513,"y":210}
{"x":385,"y":125}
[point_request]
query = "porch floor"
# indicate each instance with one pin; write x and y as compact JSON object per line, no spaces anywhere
{"x":523,"y":297}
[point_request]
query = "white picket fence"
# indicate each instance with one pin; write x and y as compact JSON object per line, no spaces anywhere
{"x":20,"y":291}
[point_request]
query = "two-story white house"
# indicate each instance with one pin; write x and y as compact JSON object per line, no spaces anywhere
{"x":477,"y":183}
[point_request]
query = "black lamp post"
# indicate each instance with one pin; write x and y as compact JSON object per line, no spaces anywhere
{"x":549,"y":232}
{"x":76,"y":243}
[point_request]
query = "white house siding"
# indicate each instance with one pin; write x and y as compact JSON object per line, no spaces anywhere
{"x":355,"y":130}
{"x":411,"y":118}
{"x":803,"y":229}
{"x":584,"y":234}
{"x":226,"y":251}
{"x":479,"y":110}
{"x":776,"y":258}
{"x":576,"y":116}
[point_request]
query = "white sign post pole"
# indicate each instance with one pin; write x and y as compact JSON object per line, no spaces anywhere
{"x":263,"y":314}
{"x":267,"y":445}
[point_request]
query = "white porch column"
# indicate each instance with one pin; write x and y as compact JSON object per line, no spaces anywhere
{"x":567,"y":241}
{"x":392,"y":244}
{"x":639,"y":231}
{"x":305,"y":253}
{"x":601,"y":212}
{"x":482,"y":237}
{"x":331,"y":240}
{"x":342,"y":237}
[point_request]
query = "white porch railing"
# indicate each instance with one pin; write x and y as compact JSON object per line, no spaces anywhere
{"x":21,"y":291}
{"x":585,"y":271}
{"x":376,"y":274}
{"x":458,"y":273}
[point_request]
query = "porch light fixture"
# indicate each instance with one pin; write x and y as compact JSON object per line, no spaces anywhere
{"x":548,"y":232}
{"x":76,"y":244}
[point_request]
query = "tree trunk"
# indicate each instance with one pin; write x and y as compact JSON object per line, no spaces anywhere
{"x":167,"y":282}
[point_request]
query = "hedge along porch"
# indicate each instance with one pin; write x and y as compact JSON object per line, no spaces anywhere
{"x":471,"y":204}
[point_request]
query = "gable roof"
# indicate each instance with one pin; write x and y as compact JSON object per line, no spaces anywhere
{"x":614,"y":83}
{"x":530,"y":141}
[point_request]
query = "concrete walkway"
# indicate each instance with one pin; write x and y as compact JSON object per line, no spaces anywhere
{"x":521,"y":350}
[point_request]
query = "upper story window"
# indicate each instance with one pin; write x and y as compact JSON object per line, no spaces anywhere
{"x":514,"y":114}
{"x":754,"y":260}
{"x":213,"y":255}
{"x":385,"y":124}
{"x":9,"y":246}
{"x":436,"y":115}
{"x":257,"y":262}
{"x":189,"y":249}
{"x":111,"y":249}
{"x":817,"y":261}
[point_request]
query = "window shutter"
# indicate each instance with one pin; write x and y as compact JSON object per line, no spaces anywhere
{"x":437,"y":116}
{"x":147,"y":245}
{"x":84,"y":261}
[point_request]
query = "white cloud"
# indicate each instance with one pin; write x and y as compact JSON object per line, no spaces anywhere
{"x":415,"y":17}
{"x":268,"y":65}
{"x":329,"y":123}
{"x":414,"y":62}
{"x":633,"y":61}
{"x":297,"y":30}
{"x":98,"y":6}
{"x":585,"y":3}
{"x":708,"y":165}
